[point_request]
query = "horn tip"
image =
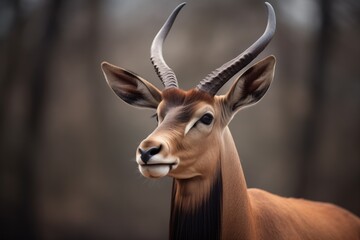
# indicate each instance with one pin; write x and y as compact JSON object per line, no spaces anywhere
{"x":180,"y":6}
{"x":269,"y":7}
{"x":268,"y":4}
{"x":271,"y":16}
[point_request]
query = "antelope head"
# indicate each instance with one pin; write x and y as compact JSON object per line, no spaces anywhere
{"x":188,"y":138}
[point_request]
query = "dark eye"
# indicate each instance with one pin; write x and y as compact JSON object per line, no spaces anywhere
{"x":206,"y":119}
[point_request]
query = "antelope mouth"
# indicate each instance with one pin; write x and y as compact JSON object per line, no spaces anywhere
{"x":158,"y":164}
{"x":156,"y":170}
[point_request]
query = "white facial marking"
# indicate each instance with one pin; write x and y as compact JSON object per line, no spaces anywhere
{"x":154,"y":171}
{"x":190,"y":125}
{"x":198,"y":114}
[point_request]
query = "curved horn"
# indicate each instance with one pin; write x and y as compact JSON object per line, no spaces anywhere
{"x":165,"y":73}
{"x":215,"y":80}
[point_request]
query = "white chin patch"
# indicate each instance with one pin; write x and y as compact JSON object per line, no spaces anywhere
{"x":154,"y":171}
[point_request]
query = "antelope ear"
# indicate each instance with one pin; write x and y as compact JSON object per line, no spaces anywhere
{"x":131,"y":88}
{"x":251,"y":86}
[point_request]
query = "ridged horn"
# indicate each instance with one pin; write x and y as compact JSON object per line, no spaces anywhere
{"x":165,"y":73}
{"x":215,"y":80}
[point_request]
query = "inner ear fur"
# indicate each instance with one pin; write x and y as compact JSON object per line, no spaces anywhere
{"x":252,"y":85}
{"x":130,"y":87}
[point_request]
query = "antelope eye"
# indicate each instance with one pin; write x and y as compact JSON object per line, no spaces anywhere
{"x":206,"y":119}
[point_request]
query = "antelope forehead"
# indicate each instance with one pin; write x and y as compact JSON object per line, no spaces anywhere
{"x":181,"y":106}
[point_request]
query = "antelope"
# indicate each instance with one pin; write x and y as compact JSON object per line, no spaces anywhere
{"x":193,"y":144}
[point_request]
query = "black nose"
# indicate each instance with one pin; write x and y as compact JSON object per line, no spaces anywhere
{"x":145,"y":155}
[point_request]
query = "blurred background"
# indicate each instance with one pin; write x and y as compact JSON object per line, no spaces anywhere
{"x":67,"y":143}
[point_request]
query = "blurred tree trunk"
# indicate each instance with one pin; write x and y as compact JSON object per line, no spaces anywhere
{"x":316,"y":89}
{"x":11,"y":52}
{"x":24,"y":217}
{"x":10,"y":46}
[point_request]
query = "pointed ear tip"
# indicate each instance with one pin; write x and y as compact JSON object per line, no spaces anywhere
{"x":105,"y":65}
{"x":271,"y":59}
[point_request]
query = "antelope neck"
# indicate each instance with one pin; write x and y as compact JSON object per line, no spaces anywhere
{"x":237,"y":216}
{"x":196,"y":208}
{"x":214,"y":208}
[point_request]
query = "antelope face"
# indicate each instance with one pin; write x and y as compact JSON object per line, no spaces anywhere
{"x":187,"y":121}
{"x":188,"y":138}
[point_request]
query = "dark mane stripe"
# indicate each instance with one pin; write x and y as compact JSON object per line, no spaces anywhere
{"x":204,"y":222}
